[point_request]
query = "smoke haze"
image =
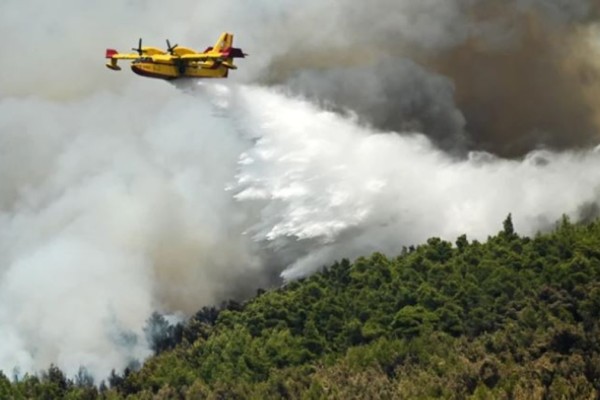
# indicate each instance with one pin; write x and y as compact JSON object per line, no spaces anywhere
{"x":393,"y":122}
{"x":519,"y":72}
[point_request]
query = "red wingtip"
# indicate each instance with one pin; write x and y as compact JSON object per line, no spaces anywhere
{"x":111,"y":52}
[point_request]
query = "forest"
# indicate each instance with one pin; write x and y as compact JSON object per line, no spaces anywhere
{"x":513,"y":317}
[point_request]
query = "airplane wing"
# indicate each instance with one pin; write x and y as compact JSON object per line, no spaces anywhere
{"x":198,"y":57}
{"x":162,"y":58}
{"x":156,"y":55}
{"x":115,"y":55}
{"x":126,"y":56}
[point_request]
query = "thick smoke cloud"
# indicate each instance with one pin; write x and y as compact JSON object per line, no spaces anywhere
{"x":423,"y":101}
{"x":538,"y":90}
{"x":106,"y":219}
{"x":521,"y":73}
{"x":120,"y":196}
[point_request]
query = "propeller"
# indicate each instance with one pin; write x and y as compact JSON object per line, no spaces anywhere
{"x":171,"y":48}
{"x":139,"y":48}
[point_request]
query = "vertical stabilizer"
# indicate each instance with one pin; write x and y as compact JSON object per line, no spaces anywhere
{"x":225,"y":42}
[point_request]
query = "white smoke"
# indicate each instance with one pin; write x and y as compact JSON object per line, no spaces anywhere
{"x":120,"y":196}
{"x":112,"y":208}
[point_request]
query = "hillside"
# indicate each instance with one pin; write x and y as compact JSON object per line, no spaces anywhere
{"x":514,"y":317}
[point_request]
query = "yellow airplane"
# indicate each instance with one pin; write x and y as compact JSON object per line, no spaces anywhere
{"x":179,"y":61}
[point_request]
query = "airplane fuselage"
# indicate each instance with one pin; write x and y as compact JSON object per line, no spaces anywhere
{"x":171,"y":71}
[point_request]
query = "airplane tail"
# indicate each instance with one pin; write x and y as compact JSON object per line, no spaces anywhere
{"x":224,"y":46}
{"x":224,"y":42}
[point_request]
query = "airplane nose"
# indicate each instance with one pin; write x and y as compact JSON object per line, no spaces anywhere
{"x":136,"y":69}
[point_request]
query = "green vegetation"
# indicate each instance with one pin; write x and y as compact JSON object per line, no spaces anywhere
{"x":514,"y":317}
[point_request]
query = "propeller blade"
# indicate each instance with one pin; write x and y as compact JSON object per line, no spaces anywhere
{"x":170,"y":48}
{"x":139,"y":48}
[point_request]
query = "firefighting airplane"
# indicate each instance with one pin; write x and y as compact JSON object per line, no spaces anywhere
{"x":179,"y":61}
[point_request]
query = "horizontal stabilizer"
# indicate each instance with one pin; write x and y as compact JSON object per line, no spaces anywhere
{"x":234,"y":52}
{"x":229,"y":65}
